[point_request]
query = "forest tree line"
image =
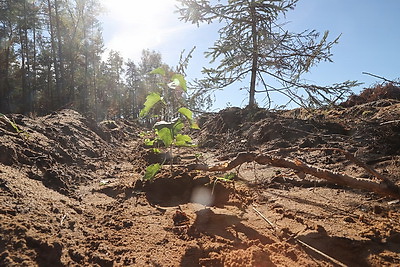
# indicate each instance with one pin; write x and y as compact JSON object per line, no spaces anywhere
{"x":51,"y":57}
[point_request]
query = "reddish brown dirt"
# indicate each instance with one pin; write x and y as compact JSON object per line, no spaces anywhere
{"x":71,"y":193}
{"x":377,"y":92}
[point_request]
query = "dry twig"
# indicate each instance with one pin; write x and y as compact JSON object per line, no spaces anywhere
{"x":301,"y":242}
{"x":389,"y":122}
{"x":265,"y":218}
{"x":321,"y":253}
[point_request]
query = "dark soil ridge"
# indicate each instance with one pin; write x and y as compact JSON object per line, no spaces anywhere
{"x":359,"y":127}
{"x":379,"y":91}
{"x":60,"y":149}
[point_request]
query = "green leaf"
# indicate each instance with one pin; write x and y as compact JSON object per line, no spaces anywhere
{"x":227,"y":177}
{"x":165,"y":124}
{"x":179,"y":80}
{"x":151,"y":100}
{"x":187,"y":113}
{"x":12,"y":123}
{"x":160,"y":71}
{"x":149,"y":142}
{"x":156,"y":151}
{"x":189,"y":116}
{"x":194,"y":125}
{"x":151,"y":171}
{"x":177,"y":127}
{"x":165,"y":134}
{"x":183,"y":140}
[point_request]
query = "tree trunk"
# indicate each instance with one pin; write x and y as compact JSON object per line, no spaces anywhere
{"x":3,"y":75}
{"x":254,"y":66}
{"x":26,"y":70}
{"x":60,"y":56}
{"x":55,"y":61}
{"x":6,"y":85}
{"x":23,"y":103}
{"x":85,"y":87}
{"x":34,"y":70}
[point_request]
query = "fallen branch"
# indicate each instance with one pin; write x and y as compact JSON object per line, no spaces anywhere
{"x":389,"y":122}
{"x":264,"y":218}
{"x":356,"y":161}
{"x":384,"y":187}
{"x":321,"y":253}
{"x":301,"y":242}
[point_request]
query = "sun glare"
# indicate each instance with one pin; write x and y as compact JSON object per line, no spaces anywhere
{"x":133,"y":25}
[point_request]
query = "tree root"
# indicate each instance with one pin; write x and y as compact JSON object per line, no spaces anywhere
{"x":381,"y":186}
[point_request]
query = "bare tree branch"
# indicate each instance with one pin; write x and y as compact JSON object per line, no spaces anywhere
{"x":380,"y":77}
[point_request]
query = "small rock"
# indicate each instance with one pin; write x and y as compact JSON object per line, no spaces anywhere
{"x":377,"y":209}
{"x":349,"y":219}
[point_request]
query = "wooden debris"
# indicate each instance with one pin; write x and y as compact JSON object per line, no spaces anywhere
{"x":321,"y":253}
{"x":383,"y":186}
{"x":264,"y":218}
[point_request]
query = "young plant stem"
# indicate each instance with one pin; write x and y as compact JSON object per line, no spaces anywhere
{"x":172,"y":157}
{"x":212,"y":191}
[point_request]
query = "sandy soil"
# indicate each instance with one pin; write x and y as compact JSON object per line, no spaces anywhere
{"x":71,"y":192}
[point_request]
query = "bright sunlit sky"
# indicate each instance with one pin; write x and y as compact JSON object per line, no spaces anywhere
{"x":369,"y":42}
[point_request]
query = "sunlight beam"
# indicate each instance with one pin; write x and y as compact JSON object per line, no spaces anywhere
{"x":131,"y":26}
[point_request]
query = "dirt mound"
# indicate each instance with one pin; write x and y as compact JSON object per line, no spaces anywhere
{"x":71,"y":192}
{"x":381,"y":91}
{"x":372,"y":127}
{"x":60,"y":149}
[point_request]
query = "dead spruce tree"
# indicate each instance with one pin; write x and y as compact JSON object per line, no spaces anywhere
{"x":252,"y":41}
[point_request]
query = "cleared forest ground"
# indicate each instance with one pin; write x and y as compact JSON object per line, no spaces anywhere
{"x":71,"y":192}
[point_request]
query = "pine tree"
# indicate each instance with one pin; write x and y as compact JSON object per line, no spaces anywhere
{"x":252,"y":41}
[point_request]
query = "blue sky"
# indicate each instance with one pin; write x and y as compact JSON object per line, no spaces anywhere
{"x":369,"y":42}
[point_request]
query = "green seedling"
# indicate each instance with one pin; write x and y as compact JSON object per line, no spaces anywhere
{"x":168,"y":132}
{"x":149,"y":142}
{"x":367,"y":113}
{"x":14,"y":125}
{"x":226,"y":178}
{"x":151,"y":171}
{"x":104,"y":182}
{"x":144,"y":134}
{"x":156,"y":150}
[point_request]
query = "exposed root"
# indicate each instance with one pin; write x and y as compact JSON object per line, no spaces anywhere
{"x":383,"y":187}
